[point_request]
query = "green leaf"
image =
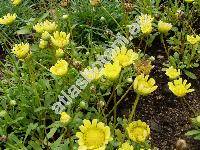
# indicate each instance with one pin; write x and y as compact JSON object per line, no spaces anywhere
{"x":24,"y":30}
{"x":31,"y":127}
{"x":190,"y":74}
{"x":57,"y":143}
{"x":51,"y":133}
{"x":36,"y":146}
{"x":192,"y":132}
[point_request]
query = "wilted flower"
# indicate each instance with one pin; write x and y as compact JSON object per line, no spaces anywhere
{"x":21,"y":50}
{"x":145,"y":22}
{"x":138,"y":131}
{"x":179,"y":87}
{"x":143,"y":66}
{"x":45,"y":26}
{"x":94,"y":2}
{"x":173,"y":73}
{"x":43,"y":44}
{"x":60,"y":39}
{"x":60,"y":68}
{"x":164,"y":27}
{"x":189,"y":1}
{"x":92,"y":73}
{"x":143,"y":85}
{"x":93,"y":136}
{"x":45,"y":35}
{"x":124,"y":57}
{"x":112,"y":71}
{"x":8,"y":19}
{"x":193,"y":40}
{"x":64,"y":118}
{"x":59,"y":53}
{"x":16,"y":2}
{"x":126,"y":146}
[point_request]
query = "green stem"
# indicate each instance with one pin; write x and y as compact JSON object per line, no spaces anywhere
{"x":115,"y":109}
{"x":166,"y":51}
{"x":115,"y":106}
{"x":134,"y":108}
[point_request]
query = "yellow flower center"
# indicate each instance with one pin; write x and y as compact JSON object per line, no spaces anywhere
{"x":94,"y":137}
{"x":140,"y":134}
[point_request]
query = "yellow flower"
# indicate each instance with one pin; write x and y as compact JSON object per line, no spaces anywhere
{"x":43,"y":44}
{"x":126,"y":146}
{"x":94,"y":2}
{"x":138,"y":131}
{"x":179,"y":87}
{"x":112,"y":71}
{"x":45,"y":35}
{"x":16,"y":2}
{"x":21,"y":50}
{"x":8,"y":19}
{"x":60,"y":68}
{"x":124,"y":57}
{"x":93,"y":136}
{"x":173,"y":73}
{"x":64,"y":118}
{"x":164,"y":27}
{"x":145,"y":22}
{"x":143,"y":85}
{"x":189,"y":1}
{"x":59,"y":53}
{"x":60,"y":39}
{"x":92,"y":73}
{"x":45,"y":26}
{"x":193,"y":40}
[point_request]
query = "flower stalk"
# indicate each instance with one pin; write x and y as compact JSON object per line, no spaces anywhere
{"x":132,"y":114}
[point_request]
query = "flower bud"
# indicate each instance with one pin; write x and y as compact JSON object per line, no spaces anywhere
{"x":3,"y":113}
{"x":65,"y":16}
{"x":59,"y":53}
{"x":13,"y":102}
{"x":130,"y":80}
{"x":198,"y":119}
{"x":83,"y":105}
{"x":64,"y":118}
{"x":102,"y":19}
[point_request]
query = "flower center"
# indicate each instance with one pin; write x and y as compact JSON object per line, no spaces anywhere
{"x":94,"y":137}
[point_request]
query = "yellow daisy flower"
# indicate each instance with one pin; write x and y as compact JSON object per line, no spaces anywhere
{"x":16,"y":2}
{"x":173,"y":73}
{"x":145,"y":22}
{"x":93,"y":135}
{"x":179,"y":87}
{"x":124,"y":57}
{"x":8,"y":19}
{"x":60,"y":39}
{"x":64,"y":118}
{"x":126,"y":146}
{"x":138,"y":131}
{"x":143,"y":85}
{"x":164,"y":27}
{"x":60,"y":68}
{"x":45,"y":26}
{"x":21,"y":50}
{"x":112,"y":71}
{"x":92,"y":73}
{"x":193,"y":40}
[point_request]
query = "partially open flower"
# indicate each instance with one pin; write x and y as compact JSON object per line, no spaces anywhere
{"x":60,"y":39}
{"x":124,"y":56}
{"x":93,"y":136}
{"x":60,"y":53}
{"x":145,"y":22}
{"x":112,"y":71}
{"x":94,"y":2}
{"x":143,"y":85}
{"x":8,"y":19}
{"x":21,"y":50}
{"x":16,"y":2}
{"x":138,"y":131}
{"x":193,"y":40}
{"x":179,"y":87}
{"x":164,"y":27}
{"x":92,"y":73}
{"x":43,"y":44}
{"x":173,"y":73}
{"x":126,"y":146}
{"x":45,"y":26}
{"x":60,"y":68}
{"x":64,"y":118}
